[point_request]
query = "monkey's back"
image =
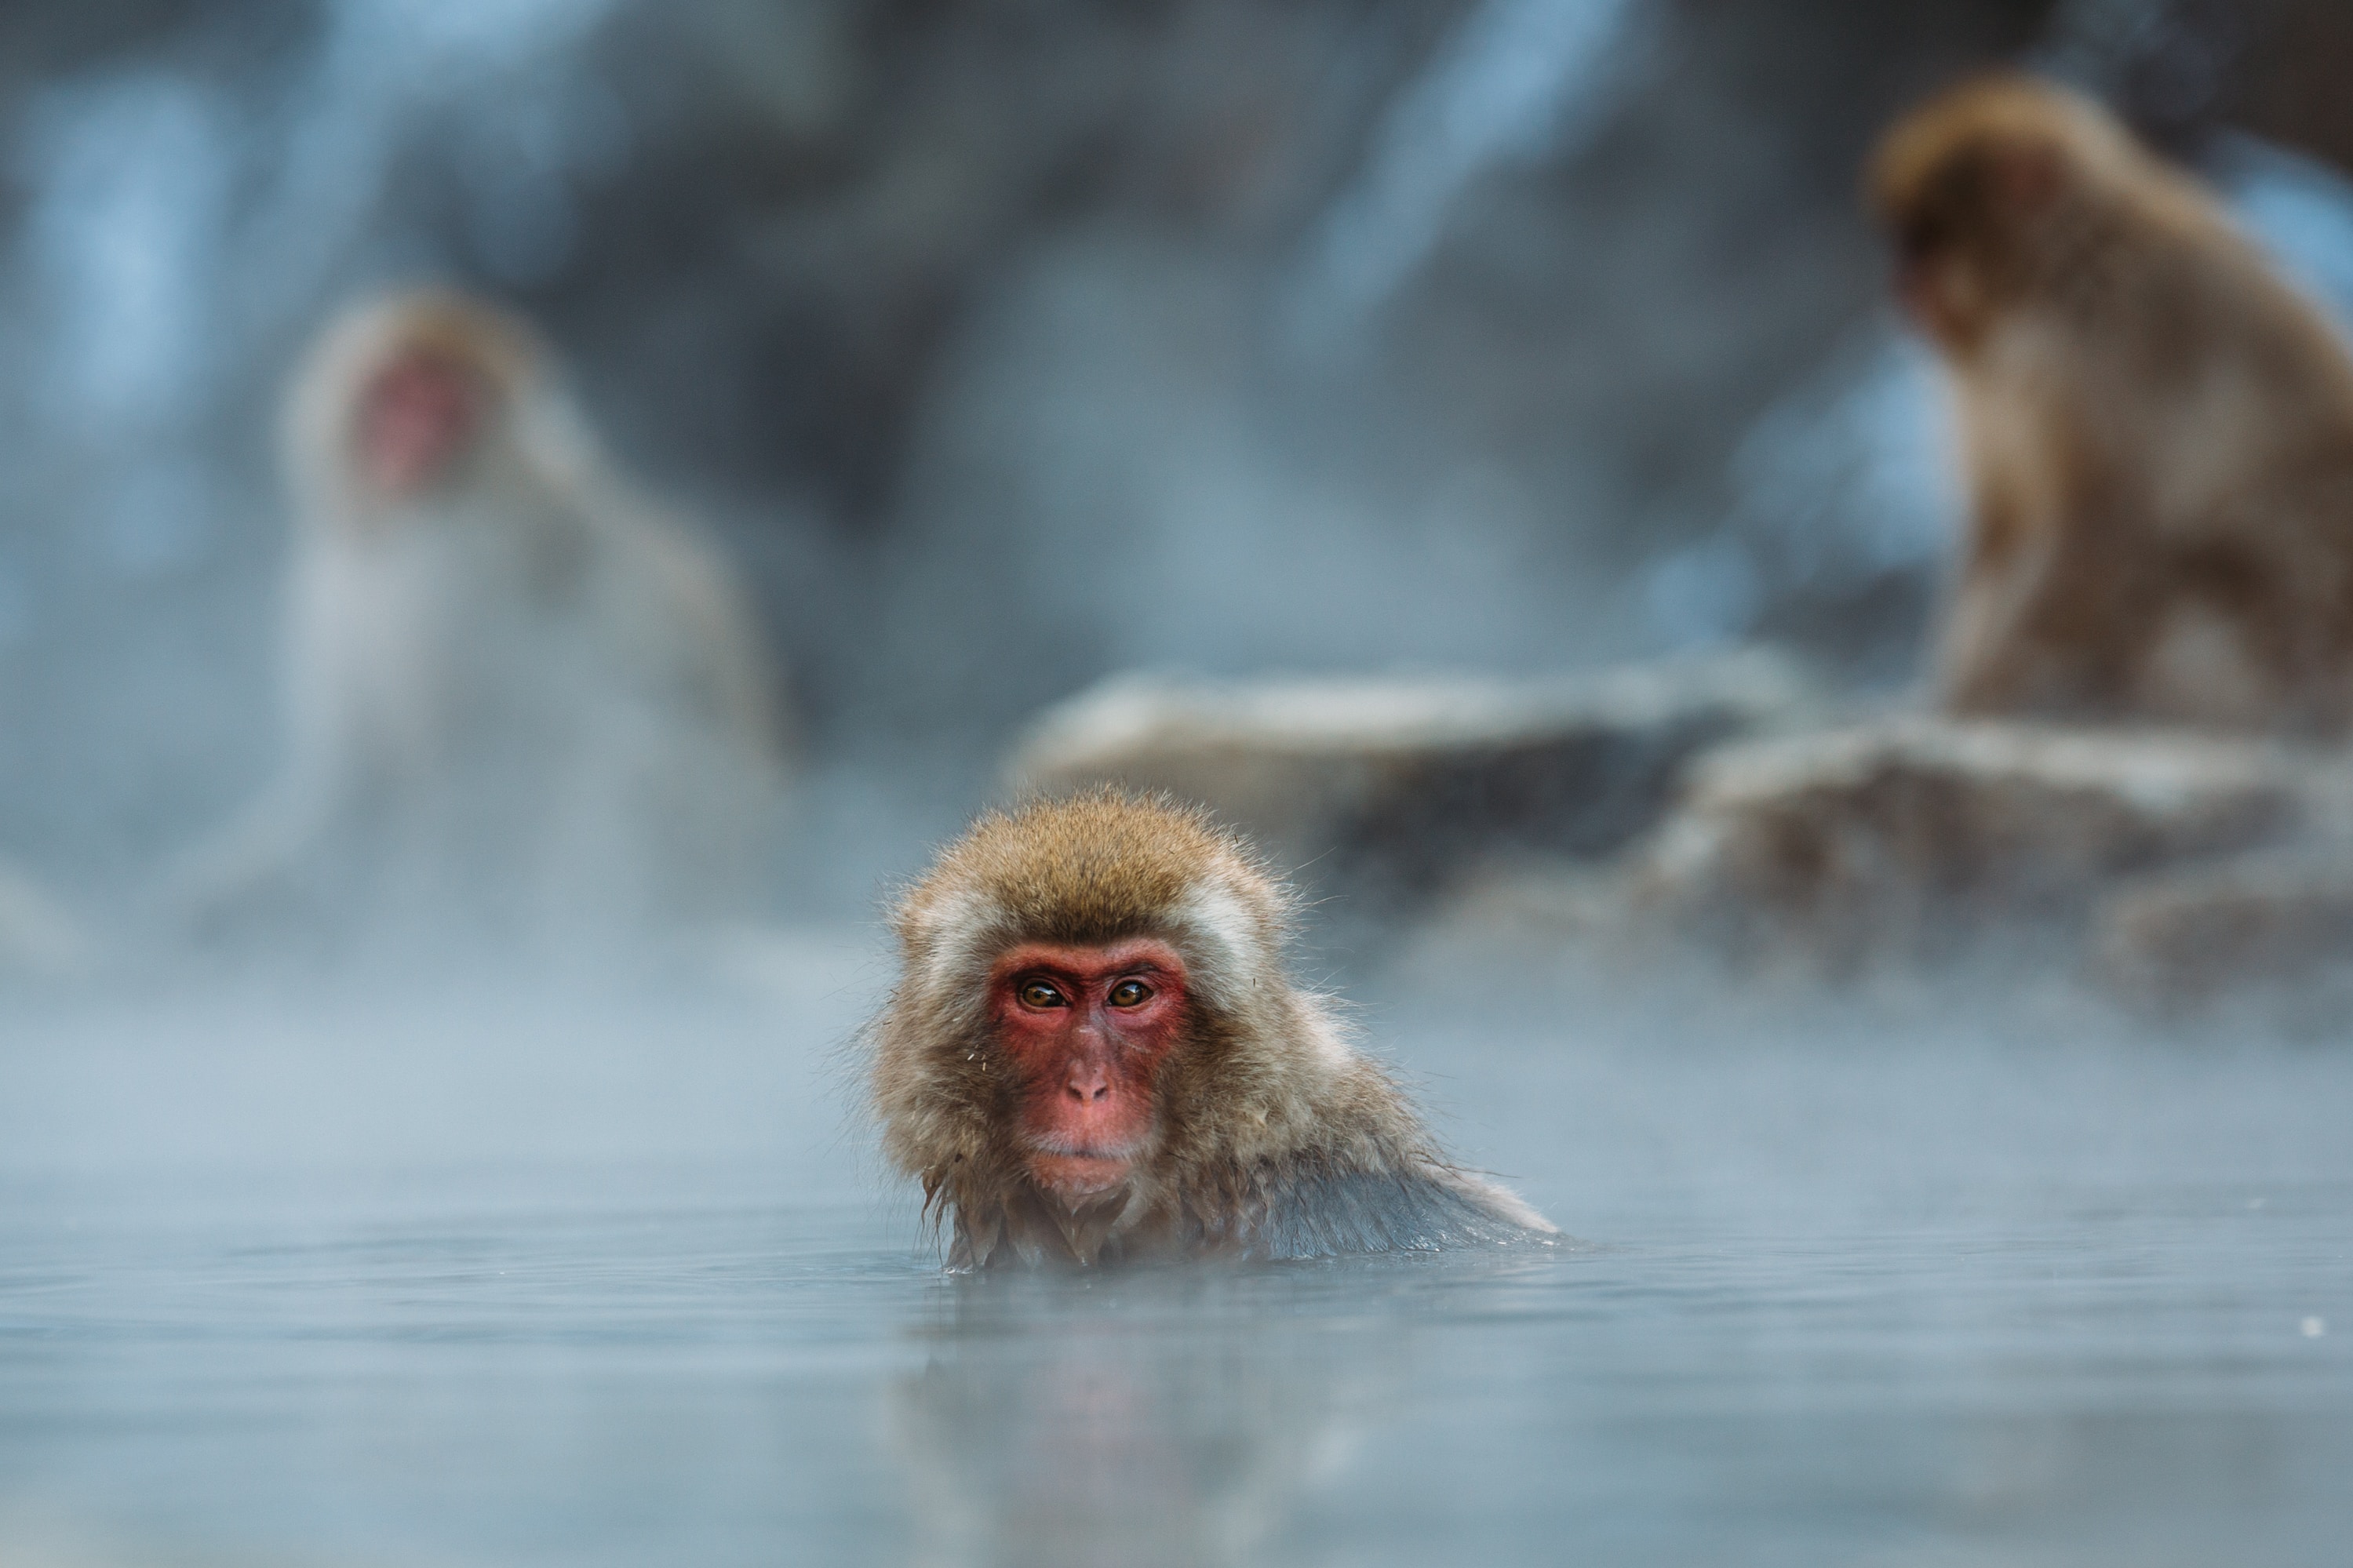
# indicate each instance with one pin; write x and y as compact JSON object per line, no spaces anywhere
{"x":2162,"y":456}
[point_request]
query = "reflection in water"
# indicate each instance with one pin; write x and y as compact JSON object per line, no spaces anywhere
{"x":1149,"y":1418}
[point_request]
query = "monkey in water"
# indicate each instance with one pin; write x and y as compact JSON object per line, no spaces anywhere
{"x":2158,"y":429}
{"x":1096,"y":1053}
{"x":514,"y":690}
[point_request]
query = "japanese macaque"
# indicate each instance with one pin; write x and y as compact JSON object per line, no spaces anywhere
{"x":1095,"y":1053}
{"x":514,"y":690}
{"x":2157,"y":428}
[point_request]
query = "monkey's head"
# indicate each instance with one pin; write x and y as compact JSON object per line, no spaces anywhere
{"x":1987,"y":192}
{"x":416,"y":421}
{"x":1082,"y":982}
{"x":404,"y":397}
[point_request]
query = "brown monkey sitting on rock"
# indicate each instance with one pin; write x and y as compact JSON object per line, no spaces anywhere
{"x":2157,"y":428}
{"x":1096,"y":1053}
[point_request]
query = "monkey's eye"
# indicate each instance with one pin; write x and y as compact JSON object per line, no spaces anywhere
{"x":1129,"y":993}
{"x":1041,"y":994}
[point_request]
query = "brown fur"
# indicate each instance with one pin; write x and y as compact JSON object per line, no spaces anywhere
{"x":2159,"y":430}
{"x":1273,"y":1137}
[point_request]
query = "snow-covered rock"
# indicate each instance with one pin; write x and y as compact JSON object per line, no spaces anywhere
{"x":1909,"y":834}
{"x":2281,"y":918}
{"x":1391,"y":786}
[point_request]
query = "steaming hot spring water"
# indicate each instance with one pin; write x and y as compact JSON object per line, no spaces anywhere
{"x":512,"y":1275}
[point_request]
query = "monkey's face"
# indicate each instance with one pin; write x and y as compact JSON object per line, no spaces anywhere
{"x":1087,"y":1030}
{"x":1966,"y":239}
{"x":1938,"y":285}
{"x":418,"y":417}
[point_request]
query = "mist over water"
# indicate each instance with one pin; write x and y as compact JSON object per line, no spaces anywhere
{"x":999,"y":360}
{"x":490,"y":1277}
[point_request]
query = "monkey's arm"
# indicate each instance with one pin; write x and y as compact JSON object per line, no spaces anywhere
{"x":1423,"y":1207}
{"x":2053,"y":576}
{"x":1983,"y":665}
{"x":257,"y":855}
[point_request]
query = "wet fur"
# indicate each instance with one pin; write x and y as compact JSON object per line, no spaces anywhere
{"x":1275,"y":1139}
{"x":2158,"y":429}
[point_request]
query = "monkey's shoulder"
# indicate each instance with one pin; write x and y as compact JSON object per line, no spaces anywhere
{"x":1318,"y":1210}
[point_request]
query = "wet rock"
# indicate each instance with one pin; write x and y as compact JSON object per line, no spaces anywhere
{"x":1914,"y":834}
{"x":1387,"y":788}
{"x":2282,"y":919}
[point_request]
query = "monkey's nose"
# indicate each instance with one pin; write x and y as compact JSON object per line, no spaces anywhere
{"x":1088,"y":1085}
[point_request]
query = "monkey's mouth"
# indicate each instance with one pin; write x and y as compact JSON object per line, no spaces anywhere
{"x":1079,"y":1176}
{"x":1081,"y":1167}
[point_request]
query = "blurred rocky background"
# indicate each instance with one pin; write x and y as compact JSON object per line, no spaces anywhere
{"x":1015,"y":344}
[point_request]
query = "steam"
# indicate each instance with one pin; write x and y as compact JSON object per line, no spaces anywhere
{"x":1848,"y":478}
{"x":184,"y":228}
{"x":174,"y":235}
{"x":387,"y":67}
{"x":1522,"y":79}
{"x":126,"y":231}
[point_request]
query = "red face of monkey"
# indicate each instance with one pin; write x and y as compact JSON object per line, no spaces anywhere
{"x":416,"y":420}
{"x":1087,"y":1029}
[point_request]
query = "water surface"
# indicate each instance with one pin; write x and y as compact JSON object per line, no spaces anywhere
{"x":540,"y":1275}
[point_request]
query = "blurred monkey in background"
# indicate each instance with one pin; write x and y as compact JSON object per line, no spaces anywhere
{"x":513,"y":690}
{"x":2157,"y":428}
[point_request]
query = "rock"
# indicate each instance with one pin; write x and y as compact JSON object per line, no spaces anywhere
{"x":1564,"y":921}
{"x":1388,"y":788}
{"x":2175,"y":941}
{"x":1908,"y":834}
